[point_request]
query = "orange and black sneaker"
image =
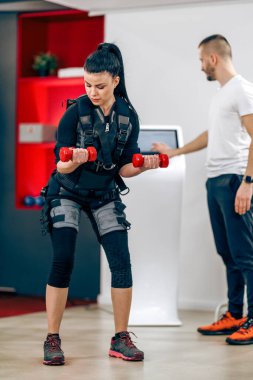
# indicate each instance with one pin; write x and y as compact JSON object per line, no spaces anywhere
{"x":244,"y":335}
{"x":225,"y":325}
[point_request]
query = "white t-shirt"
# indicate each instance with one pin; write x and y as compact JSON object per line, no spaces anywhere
{"x":228,"y":139}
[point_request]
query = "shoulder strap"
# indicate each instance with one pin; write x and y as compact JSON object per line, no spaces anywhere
{"x":124,"y":132}
{"x":85,"y":119}
{"x":70,"y":102}
{"x":124,"y":127}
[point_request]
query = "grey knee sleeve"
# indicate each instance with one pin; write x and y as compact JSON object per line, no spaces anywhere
{"x":111,"y":217}
{"x":65,"y":213}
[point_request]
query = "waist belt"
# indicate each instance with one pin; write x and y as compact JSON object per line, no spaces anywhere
{"x":112,"y":194}
{"x":91,"y":194}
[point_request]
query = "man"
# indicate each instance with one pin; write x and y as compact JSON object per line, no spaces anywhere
{"x":230,"y":183}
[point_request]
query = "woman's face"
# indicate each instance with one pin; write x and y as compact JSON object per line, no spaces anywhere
{"x":100,"y":87}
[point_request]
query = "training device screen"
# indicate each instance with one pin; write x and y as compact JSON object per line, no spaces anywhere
{"x":148,"y":137}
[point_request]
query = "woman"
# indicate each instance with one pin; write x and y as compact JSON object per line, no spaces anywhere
{"x":105,"y":119}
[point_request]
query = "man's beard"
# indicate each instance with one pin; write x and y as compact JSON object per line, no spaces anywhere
{"x":210,"y":75}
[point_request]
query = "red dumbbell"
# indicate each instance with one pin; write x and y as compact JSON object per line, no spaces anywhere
{"x":67,"y":153}
{"x":138,"y":160}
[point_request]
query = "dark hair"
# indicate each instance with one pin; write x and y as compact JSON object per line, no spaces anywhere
{"x":108,"y":58}
{"x":220,"y":43}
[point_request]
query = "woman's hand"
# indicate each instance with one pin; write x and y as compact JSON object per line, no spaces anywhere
{"x":80,"y":156}
{"x":151,"y":162}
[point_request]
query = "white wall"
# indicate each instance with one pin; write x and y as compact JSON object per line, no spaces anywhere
{"x":166,"y":86}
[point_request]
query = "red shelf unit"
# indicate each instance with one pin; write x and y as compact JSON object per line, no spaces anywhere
{"x":71,"y":36}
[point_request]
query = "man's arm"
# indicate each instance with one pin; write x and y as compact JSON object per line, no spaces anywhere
{"x":245,"y":191}
{"x":198,"y":143}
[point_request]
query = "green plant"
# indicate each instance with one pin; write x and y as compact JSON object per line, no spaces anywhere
{"x":45,"y":63}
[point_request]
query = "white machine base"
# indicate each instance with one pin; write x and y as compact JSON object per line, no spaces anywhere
{"x":155,"y":317}
{"x":154,"y":210}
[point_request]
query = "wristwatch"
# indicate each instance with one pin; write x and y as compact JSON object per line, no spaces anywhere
{"x":248,"y":179}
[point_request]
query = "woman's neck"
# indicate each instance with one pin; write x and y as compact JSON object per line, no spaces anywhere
{"x":106,"y":108}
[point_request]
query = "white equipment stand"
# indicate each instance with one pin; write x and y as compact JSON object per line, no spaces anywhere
{"x":154,"y":210}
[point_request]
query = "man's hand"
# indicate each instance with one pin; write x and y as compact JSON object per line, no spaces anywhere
{"x":243,"y":198}
{"x":163,"y":148}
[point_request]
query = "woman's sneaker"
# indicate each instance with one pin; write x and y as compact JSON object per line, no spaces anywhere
{"x":225,"y":325}
{"x":53,"y":354}
{"x":244,"y":335}
{"x":123,"y":347}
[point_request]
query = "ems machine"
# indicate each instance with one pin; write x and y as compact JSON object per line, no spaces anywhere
{"x":154,"y":210}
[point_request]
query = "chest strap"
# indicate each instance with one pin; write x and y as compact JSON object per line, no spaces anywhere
{"x":85,"y":128}
{"x":103,"y":138}
{"x":124,"y":131}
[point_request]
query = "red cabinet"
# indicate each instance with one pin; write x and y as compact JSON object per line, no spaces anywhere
{"x":71,"y":36}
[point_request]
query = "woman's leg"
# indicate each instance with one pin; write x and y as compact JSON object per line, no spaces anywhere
{"x":115,"y":245}
{"x":121,"y":302}
{"x":63,"y":241}
{"x":65,"y":216}
{"x":56,"y":299}
{"x":112,"y":225}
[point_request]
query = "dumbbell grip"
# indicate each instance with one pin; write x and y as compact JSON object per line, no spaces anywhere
{"x":66,"y":154}
{"x":138,"y":160}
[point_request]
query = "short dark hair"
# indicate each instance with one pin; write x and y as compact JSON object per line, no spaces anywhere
{"x":219,"y":43}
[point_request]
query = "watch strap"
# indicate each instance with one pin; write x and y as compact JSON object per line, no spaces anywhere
{"x":248,"y":179}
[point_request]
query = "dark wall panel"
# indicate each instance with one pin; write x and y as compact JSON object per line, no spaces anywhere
{"x":24,"y":254}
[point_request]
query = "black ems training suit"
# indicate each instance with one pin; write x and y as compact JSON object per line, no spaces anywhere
{"x":92,"y":187}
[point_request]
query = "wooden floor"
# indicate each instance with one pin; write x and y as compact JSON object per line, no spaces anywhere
{"x":171,"y":353}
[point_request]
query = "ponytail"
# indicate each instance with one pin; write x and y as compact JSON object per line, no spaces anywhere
{"x":108,"y":58}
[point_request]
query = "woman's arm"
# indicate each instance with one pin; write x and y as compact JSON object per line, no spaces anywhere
{"x":66,"y":137}
{"x":80,"y":156}
{"x":150,"y":162}
{"x":126,"y":167}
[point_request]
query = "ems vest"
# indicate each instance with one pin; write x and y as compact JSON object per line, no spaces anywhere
{"x":109,"y":139}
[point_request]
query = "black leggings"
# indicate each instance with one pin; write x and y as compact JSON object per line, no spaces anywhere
{"x":115,"y":245}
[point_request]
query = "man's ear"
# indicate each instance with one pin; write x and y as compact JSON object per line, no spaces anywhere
{"x":213,"y":58}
